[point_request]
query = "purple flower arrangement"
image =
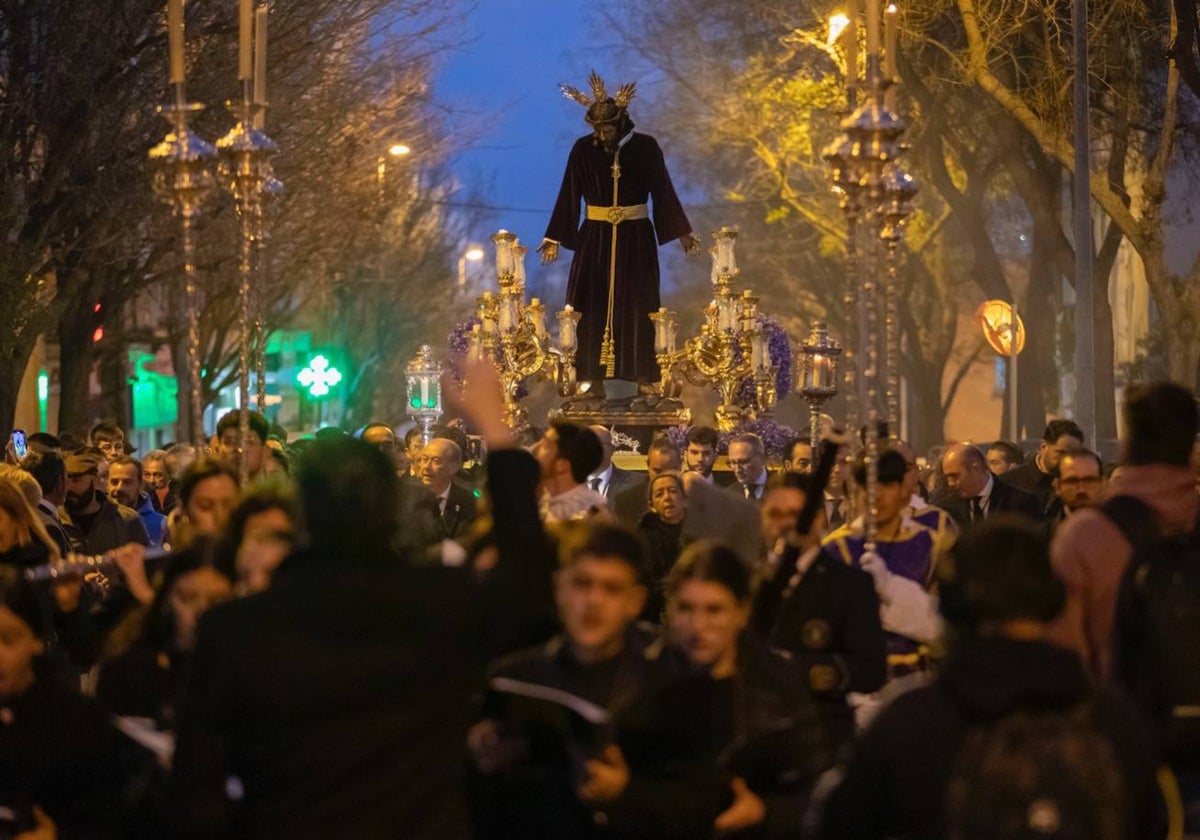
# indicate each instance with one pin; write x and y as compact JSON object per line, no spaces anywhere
{"x":779,"y":346}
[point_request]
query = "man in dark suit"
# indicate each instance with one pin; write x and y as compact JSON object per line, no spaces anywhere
{"x":974,"y":493}
{"x":748,"y":459}
{"x":828,"y":618}
{"x":608,"y":479}
{"x":339,"y":697}
{"x":453,"y":505}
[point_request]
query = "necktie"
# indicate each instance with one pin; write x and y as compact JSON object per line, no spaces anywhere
{"x":976,"y":509}
{"x":751,"y":491}
{"x":595,"y":482}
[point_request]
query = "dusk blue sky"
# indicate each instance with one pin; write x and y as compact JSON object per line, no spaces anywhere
{"x":506,"y":99}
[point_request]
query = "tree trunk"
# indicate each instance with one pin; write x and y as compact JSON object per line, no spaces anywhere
{"x":1103,"y":350}
{"x":76,"y":357}
{"x":12,"y":371}
{"x":925,"y":417}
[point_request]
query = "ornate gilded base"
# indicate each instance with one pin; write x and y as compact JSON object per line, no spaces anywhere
{"x":638,"y":417}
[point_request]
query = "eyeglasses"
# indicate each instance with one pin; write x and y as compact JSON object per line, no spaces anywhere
{"x":740,"y":462}
{"x":431,"y":459}
{"x":1081,"y":481}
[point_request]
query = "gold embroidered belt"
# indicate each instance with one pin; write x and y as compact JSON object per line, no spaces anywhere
{"x":616,"y":215}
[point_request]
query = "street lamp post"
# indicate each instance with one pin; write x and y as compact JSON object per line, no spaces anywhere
{"x":474,"y":253}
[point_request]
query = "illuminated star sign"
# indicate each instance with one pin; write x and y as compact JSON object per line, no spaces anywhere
{"x":319,"y":376}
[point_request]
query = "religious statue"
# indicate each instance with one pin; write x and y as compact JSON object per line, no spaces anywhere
{"x":614,"y":274}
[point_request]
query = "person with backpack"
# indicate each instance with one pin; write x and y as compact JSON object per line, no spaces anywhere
{"x":1153,"y":495}
{"x":1011,"y":739}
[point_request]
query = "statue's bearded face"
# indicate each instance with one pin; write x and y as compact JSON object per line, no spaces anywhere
{"x":607,"y":135}
{"x":609,"y":124}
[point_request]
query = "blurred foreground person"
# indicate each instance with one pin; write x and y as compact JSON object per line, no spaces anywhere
{"x":828,"y":616}
{"x":1152,"y":496}
{"x":260,"y":534}
{"x":64,"y":769}
{"x":338,"y":699}
{"x":142,"y":681}
{"x":758,"y":715}
{"x":1011,"y":740}
{"x":208,"y":491}
{"x":549,"y":711}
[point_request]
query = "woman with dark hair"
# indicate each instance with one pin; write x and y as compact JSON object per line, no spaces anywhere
{"x":142,"y":681}
{"x":208,"y":491}
{"x":261,"y":532}
{"x":662,"y":526}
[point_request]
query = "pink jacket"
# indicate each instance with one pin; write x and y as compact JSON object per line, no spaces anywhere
{"x":1090,"y":554}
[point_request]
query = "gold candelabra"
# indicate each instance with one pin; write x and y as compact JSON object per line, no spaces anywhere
{"x":876,"y":197}
{"x":730,"y":348}
{"x":512,"y":335}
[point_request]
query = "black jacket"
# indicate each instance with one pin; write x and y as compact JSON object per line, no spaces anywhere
{"x":665,"y":542}
{"x":340,"y":696}
{"x":114,"y":526}
{"x":692,"y":735}
{"x":454,"y":523}
{"x":829,"y":623}
{"x":896,"y":783}
{"x":1030,"y":478}
{"x":534,"y":795}
{"x":1005,"y":498}
{"x":60,"y":752}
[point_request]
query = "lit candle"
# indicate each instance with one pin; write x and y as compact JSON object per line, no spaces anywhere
{"x":260,"y":55}
{"x":175,"y":39}
{"x":475,"y":349}
{"x":519,"y":252}
{"x":890,"y":73}
{"x":245,"y":36}
{"x":425,"y":392}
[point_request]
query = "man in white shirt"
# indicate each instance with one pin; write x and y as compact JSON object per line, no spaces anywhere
{"x":567,"y":454}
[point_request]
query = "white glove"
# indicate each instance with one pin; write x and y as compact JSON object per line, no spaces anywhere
{"x":876,"y":567}
{"x":904,"y":605}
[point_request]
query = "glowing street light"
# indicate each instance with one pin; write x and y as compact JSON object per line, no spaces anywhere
{"x":319,"y":376}
{"x":474,"y":253}
{"x":399,"y":150}
{"x":838,"y":22}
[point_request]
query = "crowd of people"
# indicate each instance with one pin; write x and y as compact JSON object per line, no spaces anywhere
{"x":475,"y":636}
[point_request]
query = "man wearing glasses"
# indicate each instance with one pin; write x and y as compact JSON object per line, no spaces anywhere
{"x":748,"y":459}
{"x":1078,"y":481}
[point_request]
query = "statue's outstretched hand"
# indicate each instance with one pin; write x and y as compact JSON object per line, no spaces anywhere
{"x":549,"y":251}
{"x":690,"y":244}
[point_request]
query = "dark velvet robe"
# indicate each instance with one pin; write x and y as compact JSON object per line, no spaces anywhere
{"x":588,"y":180}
